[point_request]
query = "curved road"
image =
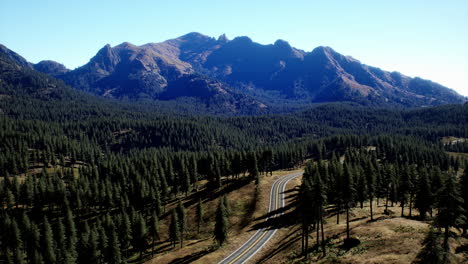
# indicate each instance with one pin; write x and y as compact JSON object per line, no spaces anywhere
{"x":258,"y":240}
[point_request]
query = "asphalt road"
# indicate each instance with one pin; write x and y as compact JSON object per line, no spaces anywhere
{"x":261,"y":237}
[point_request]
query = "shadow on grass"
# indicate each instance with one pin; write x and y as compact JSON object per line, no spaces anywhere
{"x":288,"y":241}
{"x":208,"y":194}
{"x":193,"y":257}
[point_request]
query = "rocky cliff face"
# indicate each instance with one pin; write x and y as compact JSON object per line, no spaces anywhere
{"x":195,"y":65}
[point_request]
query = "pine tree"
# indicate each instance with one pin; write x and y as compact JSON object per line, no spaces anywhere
{"x":154,"y":230}
{"x":182,"y":222}
{"x":361,"y":188}
{"x":370,"y":179}
{"x":114,"y":244}
{"x":221,"y":225}
{"x":70,"y":231}
{"x":348,"y":194}
{"x":307,"y":211}
{"x":403,"y":189}
{"x":226,"y":205}
{"x":185,"y":178}
{"x":423,"y":194}
{"x":16,"y":242}
{"x":125,"y":233}
{"x":61,"y":242}
{"x":450,"y":210}
{"x":93,"y":247}
{"x":140,"y":233}
{"x":253,"y":168}
{"x":199,"y":215}
{"x":33,"y":243}
{"x":103,"y":243}
{"x":174,"y":232}
{"x":413,"y":176}
{"x":464,"y":192}
{"x":193,"y":169}
{"x":320,"y":199}
{"x":48,"y":243}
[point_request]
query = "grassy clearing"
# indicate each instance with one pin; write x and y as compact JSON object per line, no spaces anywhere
{"x":388,"y":239}
{"x":245,"y":207}
{"x":453,"y":140}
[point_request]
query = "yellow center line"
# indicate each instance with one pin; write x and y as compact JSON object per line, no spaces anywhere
{"x":264,"y":233}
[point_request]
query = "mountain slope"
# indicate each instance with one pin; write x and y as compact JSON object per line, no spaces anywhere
{"x":242,"y":76}
{"x":26,"y":91}
{"x":155,"y":72}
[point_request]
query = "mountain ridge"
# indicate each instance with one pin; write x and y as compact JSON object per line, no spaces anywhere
{"x":240,"y":70}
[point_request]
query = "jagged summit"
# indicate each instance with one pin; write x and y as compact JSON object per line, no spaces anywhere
{"x":241,"y":70}
{"x":223,"y":39}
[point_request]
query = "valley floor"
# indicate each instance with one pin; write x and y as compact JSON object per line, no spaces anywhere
{"x":387,"y":239}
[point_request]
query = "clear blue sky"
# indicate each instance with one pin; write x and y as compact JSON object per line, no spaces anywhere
{"x":428,"y":38}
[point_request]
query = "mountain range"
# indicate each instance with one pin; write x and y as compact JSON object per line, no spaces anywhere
{"x":240,"y":75}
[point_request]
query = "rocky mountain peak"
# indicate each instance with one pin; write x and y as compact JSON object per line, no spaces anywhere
{"x":223,"y":39}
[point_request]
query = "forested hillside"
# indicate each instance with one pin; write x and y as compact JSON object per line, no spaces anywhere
{"x":90,"y":180}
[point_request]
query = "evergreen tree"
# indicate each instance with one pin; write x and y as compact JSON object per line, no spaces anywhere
{"x":226,"y":205}
{"x":61,"y":242}
{"x":114,"y":244}
{"x":48,"y":243}
{"x":174,"y":231}
{"x":423,"y":194}
{"x":413,"y":177}
{"x":464,"y":192}
{"x":125,"y":233}
{"x":154,"y":230}
{"x":450,"y":210}
{"x":34,"y":243}
{"x":403,"y":189}
{"x":221,"y":225}
{"x":16,"y":243}
{"x":370,"y":179}
{"x":253,"y":168}
{"x":361,"y":188}
{"x":318,"y":190}
{"x":93,"y":247}
{"x":182,"y":222}
{"x":348,"y":194}
{"x":140,"y":234}
{"x":308,"y":212}
{"x":71,"y":235}
{"x":199,"y":215}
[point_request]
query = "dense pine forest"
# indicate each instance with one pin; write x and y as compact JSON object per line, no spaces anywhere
{"x":88,"y":180}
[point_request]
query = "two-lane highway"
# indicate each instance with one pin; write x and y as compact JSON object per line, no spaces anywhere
{"x":261,"y":237}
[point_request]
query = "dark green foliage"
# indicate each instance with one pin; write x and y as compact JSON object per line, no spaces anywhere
{"x":154,"y":230}
{"x":114,"y":245}
{"x":423,"y":201}
{"x":464,"y":193}
{"x":91,"y":162}
{"x":349,"y":193}
{"x":182,"y":222}
{"x":221,"y":224}
{"x":48,"y":243}
{"x":450,"y":208}
{"x":174,"y":231}
{"x":199,"y":215}
{"x":140,"y":234}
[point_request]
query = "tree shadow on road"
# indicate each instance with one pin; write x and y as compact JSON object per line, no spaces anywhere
{"x":281,"y":217}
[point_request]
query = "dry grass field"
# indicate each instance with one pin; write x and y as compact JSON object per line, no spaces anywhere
{"x":387,"y":239}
